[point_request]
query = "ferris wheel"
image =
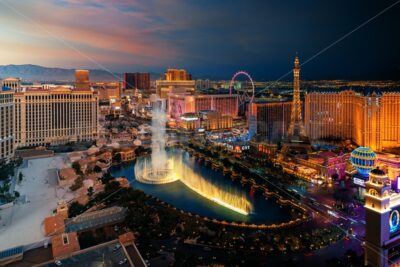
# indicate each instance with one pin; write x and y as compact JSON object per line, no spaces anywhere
{"x":245,"y":95}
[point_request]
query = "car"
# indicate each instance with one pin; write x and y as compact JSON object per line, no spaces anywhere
{"x":58,"y":263}
{"x":116,"y":247}
{"x":123,"y":261}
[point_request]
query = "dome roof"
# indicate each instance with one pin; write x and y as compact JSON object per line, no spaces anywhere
{"x":363,"y":160}
{"x":377,"y":171}
{"x":363,"y":152}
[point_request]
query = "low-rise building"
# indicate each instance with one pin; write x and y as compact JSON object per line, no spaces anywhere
{"x":54,"y":225}
{"x":95,"y":219}
{"x":127,"y":154}
{"x":328,"y":164}
{"x":64,"y":245}
{"x":390,"y":163}
{"x":66,"y":177}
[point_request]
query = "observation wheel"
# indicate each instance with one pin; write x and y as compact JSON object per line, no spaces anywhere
{"x":244,"y":95}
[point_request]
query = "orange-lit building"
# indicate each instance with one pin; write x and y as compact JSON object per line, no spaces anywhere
{"x":108,"y":91}
{"x":179,"y":104}
{"x":206,"y":119}
{"x":177,"y":75}
{"x":215,"y":121}
{"x":370,"y":119}
{"x":173,"y":79}
{"x":272,"y":119}
{"x":127,"y":154}
{"x":82,"y":79}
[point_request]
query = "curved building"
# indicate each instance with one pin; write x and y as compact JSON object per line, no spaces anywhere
{"x":55,"y":116}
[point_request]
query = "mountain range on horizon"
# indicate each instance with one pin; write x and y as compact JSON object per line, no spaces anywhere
{"x":32,"y":73}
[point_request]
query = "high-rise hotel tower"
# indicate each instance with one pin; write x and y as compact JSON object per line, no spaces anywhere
{"x":6,"y":124}
{"x":369,"y":117}
{"x":55,"y":116}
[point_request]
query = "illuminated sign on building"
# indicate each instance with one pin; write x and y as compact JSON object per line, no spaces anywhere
{"x":359,"y":181}
{"x":394,"y":222}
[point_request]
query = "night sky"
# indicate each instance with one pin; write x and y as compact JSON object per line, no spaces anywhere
{"x":210,"y":38}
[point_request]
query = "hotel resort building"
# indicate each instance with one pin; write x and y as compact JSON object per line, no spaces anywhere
{"x":7,"y":124}
{"x":179,"y":104}
{"x":272,"y":119}
{"x":369,"y":118}
{"x":175,"y":79}
{"x":11,"y":83}
{"x":55,"y":116}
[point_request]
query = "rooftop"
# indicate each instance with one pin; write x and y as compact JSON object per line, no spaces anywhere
{"x":63,"y":245}
{"x":107,"y":254}
{"x":68,"y":174}
{"x":54,"y":225}
{"x":378,"y":171}
{"x":94,"y":219}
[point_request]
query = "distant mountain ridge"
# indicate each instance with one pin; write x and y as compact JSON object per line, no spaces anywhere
{"x":30,"y":73}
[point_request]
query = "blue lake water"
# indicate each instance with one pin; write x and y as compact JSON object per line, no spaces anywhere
{"x":265,"y":211}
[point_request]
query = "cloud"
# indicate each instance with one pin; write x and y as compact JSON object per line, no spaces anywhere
{"x":108,"y":30}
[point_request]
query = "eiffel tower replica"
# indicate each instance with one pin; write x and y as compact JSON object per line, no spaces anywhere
{"x":296,"y":140}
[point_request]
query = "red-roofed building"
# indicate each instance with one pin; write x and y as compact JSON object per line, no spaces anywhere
{"x":54,"y":225}
{"x":64,"y":245}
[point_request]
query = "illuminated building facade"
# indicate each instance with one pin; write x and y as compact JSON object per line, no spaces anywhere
{"x":82,"y":79}
{"x":272,"y":119}
{"x":137,"y":80}
{"x":382,"y":217}
{"x":179,"y":104}
{"x":6,"y":124}
{"x":390,"y":163}
{"x":175,"y":79}
{"x":328,"y":164}
{"x":370,"y":119}
{"x":108,"y":91}
{"x":177,"y":75}
{"x":55,"y":116}
{"x":11,"y":83}
{"x":211,"y":120}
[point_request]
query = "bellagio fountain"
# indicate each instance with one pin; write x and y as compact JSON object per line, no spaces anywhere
{"x":162,"y":168}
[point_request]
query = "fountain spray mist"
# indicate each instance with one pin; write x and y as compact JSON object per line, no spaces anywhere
{"x":158,"y":155}
{"x":161,"y":168}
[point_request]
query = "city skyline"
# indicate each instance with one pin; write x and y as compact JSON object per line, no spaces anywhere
{"x":199,"y":133}
{"x":210,"y":40}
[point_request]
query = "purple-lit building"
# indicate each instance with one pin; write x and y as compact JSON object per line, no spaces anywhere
{"x":328,"y":164}
{"x":382,"y":217}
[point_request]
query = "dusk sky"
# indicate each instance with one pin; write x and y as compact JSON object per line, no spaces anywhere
{"x":207,"y":37}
